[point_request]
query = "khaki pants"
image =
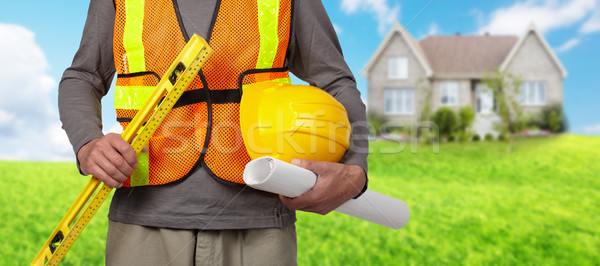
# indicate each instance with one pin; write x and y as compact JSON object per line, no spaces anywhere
{"x":129,"y":244}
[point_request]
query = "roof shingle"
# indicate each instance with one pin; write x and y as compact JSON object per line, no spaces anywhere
{"x":466,"y":54}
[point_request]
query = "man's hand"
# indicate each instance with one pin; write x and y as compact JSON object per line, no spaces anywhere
{"x":109,"y":158}
{"x":336,"y":184}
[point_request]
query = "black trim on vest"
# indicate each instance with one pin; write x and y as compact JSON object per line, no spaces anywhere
{"x":207,"y":140}
{"x":200,"y":160}
{"x":202,"y":95}
{"x":256,"y":71}
{"x":213,"y":21}
{"x":139,"y":74}
{"x":287,"y":51}
{"x":225,"y":96}
{"x":180,"y":21}
{"x":191,"y":97}
{"x":209,"y":116}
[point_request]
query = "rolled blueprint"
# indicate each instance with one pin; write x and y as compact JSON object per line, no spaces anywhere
{"x":276,"y":176}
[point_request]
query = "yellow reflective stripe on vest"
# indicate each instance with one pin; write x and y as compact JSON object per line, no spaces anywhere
{"x":132,"y":35}
{"x":141,"y":174}
{"x":268,"y":20}
{"x":280,"y":80}
{"x":131,"y":97}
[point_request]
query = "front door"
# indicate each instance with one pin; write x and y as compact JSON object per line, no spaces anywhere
{"x":485,"y":99}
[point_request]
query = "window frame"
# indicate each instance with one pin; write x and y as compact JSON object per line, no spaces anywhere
{"x":403,"y":93}
{"x":443,"y":87}
{"x":529,"y":93}
{"x":397,"y":65}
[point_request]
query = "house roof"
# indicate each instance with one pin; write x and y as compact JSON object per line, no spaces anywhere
{"x":462,"y":56}
{"x":413,"y":45}
{"x":457,"y":54}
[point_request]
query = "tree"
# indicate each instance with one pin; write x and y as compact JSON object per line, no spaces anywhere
{"x":421,"y":131}
{"x":426,"y":111}
{"x":505,"y":87}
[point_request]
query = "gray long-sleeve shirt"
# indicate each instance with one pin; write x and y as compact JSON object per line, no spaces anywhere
{"x":199,"y":201}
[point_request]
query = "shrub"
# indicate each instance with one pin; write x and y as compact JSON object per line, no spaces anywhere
{"x":502,"y":137}
{"x":489,"y":137}
{"x":446,"y":121}
{"x":465,"y":136}
{"x":476,"y":137}
{"x":553,"y":119}
{"x":376,"y":120}
{"x":466,"y":116}
{"x":451,"y":138}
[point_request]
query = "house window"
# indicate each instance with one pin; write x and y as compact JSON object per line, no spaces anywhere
{"x":449,"y":93}
{"x":399,"y":101}
{"x":398,"y":67}
{"x":533,"y":93}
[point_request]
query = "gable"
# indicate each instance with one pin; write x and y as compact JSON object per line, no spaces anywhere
{"x":397,"y":38}
{"x":533,"y":54}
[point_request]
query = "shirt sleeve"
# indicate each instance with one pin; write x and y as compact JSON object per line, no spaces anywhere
{"x":316,"y":57}
{"x":89,"y":78}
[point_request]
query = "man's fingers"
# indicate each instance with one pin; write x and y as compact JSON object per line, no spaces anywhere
{"x":292,"y":204}
{"x":317,"y":167}
{"x":109,"y":158}
{"x":109,"y":168}
{"x":336,"y":184}
{"x":124,"y":149}
{"x":117,"y":162}
{"x":302,"y":204}
{"x":306,"y":200}
{"x":117,"y":157}
{"x":99,"y":173}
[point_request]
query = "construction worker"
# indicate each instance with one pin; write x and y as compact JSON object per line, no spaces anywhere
{"x":193,"y":211}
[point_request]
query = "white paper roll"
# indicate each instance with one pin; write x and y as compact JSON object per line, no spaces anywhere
{"x":275,"y":176}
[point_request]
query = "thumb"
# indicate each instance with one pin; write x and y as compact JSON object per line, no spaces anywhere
{"x":317,"y":167}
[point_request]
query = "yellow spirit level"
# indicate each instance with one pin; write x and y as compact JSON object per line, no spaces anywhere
{"x":172,"y":85}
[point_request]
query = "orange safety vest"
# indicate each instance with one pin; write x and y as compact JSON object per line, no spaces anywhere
{"x":250,"y":40}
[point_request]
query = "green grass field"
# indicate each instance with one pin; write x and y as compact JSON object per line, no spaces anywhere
{"x":470,"y":204}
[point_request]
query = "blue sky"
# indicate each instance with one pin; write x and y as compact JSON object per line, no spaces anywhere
{"x":47,"y":33}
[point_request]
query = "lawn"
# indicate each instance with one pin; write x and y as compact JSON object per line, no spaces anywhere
{"x":470,"y":204}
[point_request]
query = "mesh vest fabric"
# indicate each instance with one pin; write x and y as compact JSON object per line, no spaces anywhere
{"x":210,"y":106}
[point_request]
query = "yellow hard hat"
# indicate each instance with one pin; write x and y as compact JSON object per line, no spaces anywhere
{"x":293,"y":121}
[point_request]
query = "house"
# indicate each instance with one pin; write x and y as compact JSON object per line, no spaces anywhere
{"x":452,"y":67}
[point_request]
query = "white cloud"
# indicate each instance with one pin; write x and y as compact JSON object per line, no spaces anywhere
{"x":115,"y":128}
{"x":479,"y":17}
{"x":547,"y":15}
{"x":384,"y":14}
{"x":592,"y":24}
{"x":29,"y":124}
{"x":568,"y":45}
{"x":337,"y":29}
{"x":6,"y":118}
{"x":593,"y":129}
{"x":434,"y":29}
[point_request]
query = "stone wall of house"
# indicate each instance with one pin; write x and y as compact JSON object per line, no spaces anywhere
{"x":533,"y":63}
{"x":379,"y":81}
